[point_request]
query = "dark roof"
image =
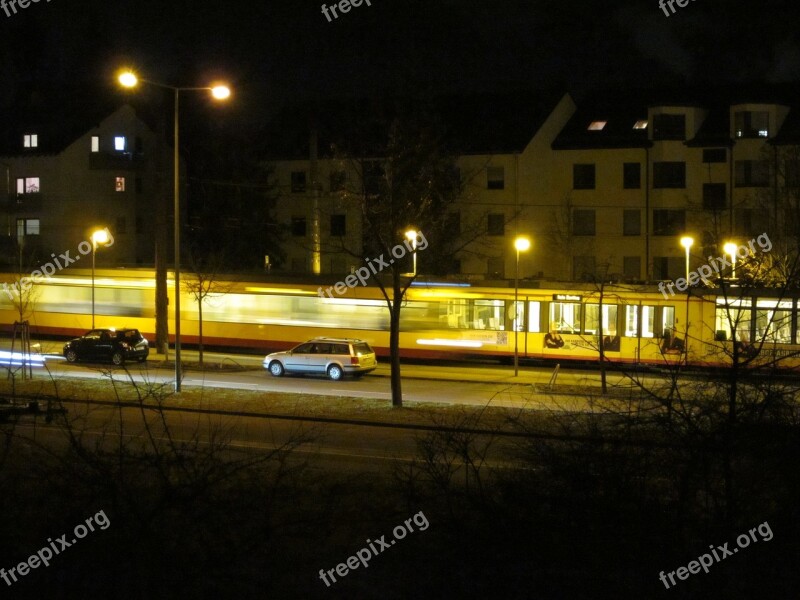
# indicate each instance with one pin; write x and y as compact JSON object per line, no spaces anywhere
{"x":617,"y":133}
{"x":473,"y":124}
{"x":789,"y":132}
{"x":715,"y":129}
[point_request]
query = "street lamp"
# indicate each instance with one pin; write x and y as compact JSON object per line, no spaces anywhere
{"x":730,"y":248}
{"x":521,"y":244}
{"x":687,"y":243}
{"x":411,"y":235}
{"x":100,"y":236}
{"x":129,"y":79}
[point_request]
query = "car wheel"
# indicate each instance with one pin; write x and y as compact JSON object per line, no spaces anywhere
{"x":71,"y":356}
{"x":117,"y":358}
{"x":276,"y":368}
{"x":335,"y":372}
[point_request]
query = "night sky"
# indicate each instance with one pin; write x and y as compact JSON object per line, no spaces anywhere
{"x":275,"y":52}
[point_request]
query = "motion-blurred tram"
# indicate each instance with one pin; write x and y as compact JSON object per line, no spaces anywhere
{"x":558,"y":322}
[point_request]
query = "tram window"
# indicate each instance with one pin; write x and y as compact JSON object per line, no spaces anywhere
{"x":592,"y":319}
{"x":648,"y":321}
{"x":666,"y":321}
{"x":632,"y":321}
{"x":774,"y":321}
{"x":565,"y":317}
{"x":534,"y":314}
{"x":488,"y":314}
{"x":454,"y":313}
{"x":735,"y":316}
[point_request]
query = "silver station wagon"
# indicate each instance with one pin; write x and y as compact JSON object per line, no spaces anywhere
{"x":335,"y":357}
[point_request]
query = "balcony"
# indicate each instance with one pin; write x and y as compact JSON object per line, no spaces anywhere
{"x":116,"y":161}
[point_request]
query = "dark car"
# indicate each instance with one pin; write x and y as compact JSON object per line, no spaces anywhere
{"x":116,"y":345}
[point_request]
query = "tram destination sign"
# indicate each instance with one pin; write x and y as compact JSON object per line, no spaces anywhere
{"x":566,"y":298}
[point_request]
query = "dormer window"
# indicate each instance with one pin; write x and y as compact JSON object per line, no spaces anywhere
{"x":751,"y":124}
{"x":597,"y":125}
{"x":641,"y":124}
{"x":120,"y":144}
{"x":669,"y":127}
{"x":95,"y":143}
{"x":30,"y":140}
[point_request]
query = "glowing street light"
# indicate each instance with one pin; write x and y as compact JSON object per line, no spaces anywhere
{"x":99,"y":236}
{"x":687,"y":243}
{"x":411,"y":235}
{"x":730,"y":249}
{"x":129,"y":79}
{"x":521,"y":244}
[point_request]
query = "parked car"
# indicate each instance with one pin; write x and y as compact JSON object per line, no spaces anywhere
{"x":116,"y":345}
{"x":335,"y":357}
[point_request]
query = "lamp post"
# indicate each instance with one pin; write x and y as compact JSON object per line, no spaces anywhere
{"x":521,"y":244}
{"x":687,"y":243}
{"x":220,"y":92}
{"x":730,"y":249}
{"x":100,"y":236}
{"x":411,"y":235}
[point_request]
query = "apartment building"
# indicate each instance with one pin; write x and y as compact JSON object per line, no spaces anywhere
{"x":64,"y":183}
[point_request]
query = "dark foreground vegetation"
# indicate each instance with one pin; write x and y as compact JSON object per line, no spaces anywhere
{"x":590,"y":506}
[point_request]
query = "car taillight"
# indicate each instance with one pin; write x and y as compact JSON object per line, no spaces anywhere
{"x":354,"y":360}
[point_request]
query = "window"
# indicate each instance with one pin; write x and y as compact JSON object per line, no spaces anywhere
{"x":30,"y":140}
{"x":338,"y":180}
{"x":640,"y":124}
{"x":773,"y":321}
{"x":452,"y":225}
{"x":496,"y":268}
{"x":632,"y":222}
{"x":373,"y":177}
{"x":119,"y":184}
{"x":583,"y":176}
{"x":748,"y":222}
{"x":631,"y":176}
{"x":669,"y":175}
{"x":583,"y":222}
{"x":95,"y":143}
{"x":591,"y":319}
{"x":137,"y":183}
{"x":714,"y":196}
{"x":122,"y":225}
{"x":138,"y":145}
{"x":669,"y":222}
{"x":119,"y":143}
{"x":298,"y":182}
{"x":27,"y":185}
{"x":565,"y":317}
{"x":27,"y":227}
{"x":715,"y":155}
{"x":495,"y":178}
{"x":792,"y":177}
{"x":584,"y":267}
{"x":669,"y":127}
{"x":298,"y":226}
{"x":338,"y":225}
{"x":751,"y":124}
{"x":632,"y":267}
{"x":648,"y":321}
{"x":669,"y":267}
{"x":597,"y":125}
{"x":751,"y":173}
{"x":496,"y":224}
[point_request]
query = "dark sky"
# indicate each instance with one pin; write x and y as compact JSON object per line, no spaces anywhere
{"x":277,"y":51}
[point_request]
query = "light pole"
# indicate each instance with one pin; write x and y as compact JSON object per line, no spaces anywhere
{"x":521,"y":244}
{"x":220,"y":92}
{"x":99,"y":236}
{"x":730,"y":248}
{"x":687,"y":243}
{"x":411,"y":235}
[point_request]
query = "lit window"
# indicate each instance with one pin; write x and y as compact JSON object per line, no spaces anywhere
{"x":31,"y":140}
{"x":27,"y":227}
{"x":120,"y":184}
{"x":597,"y":125}
{"x":119,"y":143}
{"x":28,"y":185}
{"x":641,"y":124}
{"x":95,"y":143}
